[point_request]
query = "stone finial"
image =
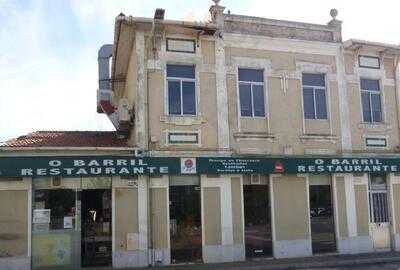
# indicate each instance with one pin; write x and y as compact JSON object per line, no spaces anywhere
{"x":216,"y":2}
{"x":336,"y":25}
{"x":216,"y":12}
{"x":333,"y":13}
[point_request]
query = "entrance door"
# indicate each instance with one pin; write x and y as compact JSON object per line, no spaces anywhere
{"x":321,"y":214}
{"x":96,"y":227}
{"x":185,"y":219}
{"x":379,"y":212}
{"x":257,"y":219}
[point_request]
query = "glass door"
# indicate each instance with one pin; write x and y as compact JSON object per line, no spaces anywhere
{"x":257,"y":219}
{"x":185,"y":219}
{"x":321,"y":214}
{"x":96,"y":227}
{"x":379,"y":212}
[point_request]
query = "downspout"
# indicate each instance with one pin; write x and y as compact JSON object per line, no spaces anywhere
{"x":397,"y":87}
{"x":150,"y":205}
{"x":150,"y":236}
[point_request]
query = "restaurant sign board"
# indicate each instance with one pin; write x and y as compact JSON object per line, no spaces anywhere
{"x":84,"y":166}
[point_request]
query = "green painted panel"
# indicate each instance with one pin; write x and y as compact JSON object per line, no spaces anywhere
{"x":84,"y":166}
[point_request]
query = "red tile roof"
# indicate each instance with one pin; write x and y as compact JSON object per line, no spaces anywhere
{"x":67,"y":139}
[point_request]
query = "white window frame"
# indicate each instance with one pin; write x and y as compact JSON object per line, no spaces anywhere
{"x":360,"y":56}
{"x":375,"y":93}
{"x":251,"y":94}
{"x":313,"y":87}
{"x":181,"y":80}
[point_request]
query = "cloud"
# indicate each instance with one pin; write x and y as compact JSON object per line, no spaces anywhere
{"x":43,"y":85}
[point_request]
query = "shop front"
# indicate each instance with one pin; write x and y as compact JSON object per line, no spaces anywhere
{"x":125,"y":211}
{"x":71,"y":222}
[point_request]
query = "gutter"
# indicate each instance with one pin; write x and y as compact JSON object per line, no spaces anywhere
{"x":12,"y":149}
{"x":394,"y":49}
{"x":133,"y":20}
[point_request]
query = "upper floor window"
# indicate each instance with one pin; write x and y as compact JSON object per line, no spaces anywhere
{"x":371,"y":100}
{"x":181,"y":45}
{"x":314,"y":96}
{"x":369,"y":62}
{"x":181,"y":89}
{"x":251,"y":92}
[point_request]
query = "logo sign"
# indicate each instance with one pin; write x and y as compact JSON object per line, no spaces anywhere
{"x":188,"y":166}
{"x":279,"y":167}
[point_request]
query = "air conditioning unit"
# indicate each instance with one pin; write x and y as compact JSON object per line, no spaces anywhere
{"x":123,"y":111}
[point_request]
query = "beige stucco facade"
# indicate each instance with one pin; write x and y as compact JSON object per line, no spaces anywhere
{"x":284,"y":51}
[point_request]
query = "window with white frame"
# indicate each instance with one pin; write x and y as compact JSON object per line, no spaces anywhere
{"x":365,"y":61}
{"x":181,"y":90}
{"x":371,"y":100}
{"x":314,"y":96}
{"x":251,"y":92}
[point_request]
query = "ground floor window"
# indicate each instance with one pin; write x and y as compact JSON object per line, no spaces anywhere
{"x":71,"y":223}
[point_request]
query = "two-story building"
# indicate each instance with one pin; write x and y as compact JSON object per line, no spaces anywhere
{"x":237,"y":138}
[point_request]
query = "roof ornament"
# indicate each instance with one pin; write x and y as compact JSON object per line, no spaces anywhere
{"x":216,"y":2}
{"x":333,"y":13}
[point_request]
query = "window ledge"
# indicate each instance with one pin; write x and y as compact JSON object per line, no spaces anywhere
{"x":317,"y":120}
{"x":318,"y":137}
{"x":253,"y":135}
{"x":184,"y":120}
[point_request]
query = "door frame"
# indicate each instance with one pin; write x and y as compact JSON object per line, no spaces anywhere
{"x":169,"y":217}
{"x":332,"y":184}
{"x":389,"y":204}
{"x":268,"y":190}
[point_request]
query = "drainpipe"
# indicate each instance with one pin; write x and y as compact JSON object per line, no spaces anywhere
{"x":157,"y":19}
{"x":397,"y":87}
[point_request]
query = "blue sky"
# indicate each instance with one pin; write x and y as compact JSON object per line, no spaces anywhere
{"x":48,"y":49}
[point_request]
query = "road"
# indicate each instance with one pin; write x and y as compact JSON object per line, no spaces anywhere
{"x":378,"y":266}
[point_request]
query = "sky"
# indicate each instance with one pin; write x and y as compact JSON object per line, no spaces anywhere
{"x":48,"y":49}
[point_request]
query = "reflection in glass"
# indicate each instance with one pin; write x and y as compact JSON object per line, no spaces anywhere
{"x":185,"y":223}
{"x":322,"y":222}
{"x":258,"y":237}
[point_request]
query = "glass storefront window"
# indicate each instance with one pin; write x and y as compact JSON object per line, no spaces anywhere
{"x":71,"y":222}
{"x":58,"y":206}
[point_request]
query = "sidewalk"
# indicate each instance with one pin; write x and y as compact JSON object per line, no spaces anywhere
{"x":295,"y":263}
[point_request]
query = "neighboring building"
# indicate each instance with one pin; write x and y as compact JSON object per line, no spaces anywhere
{"x":238,"y":138}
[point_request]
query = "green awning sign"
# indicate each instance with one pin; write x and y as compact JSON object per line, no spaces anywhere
{"x":81,"y":166}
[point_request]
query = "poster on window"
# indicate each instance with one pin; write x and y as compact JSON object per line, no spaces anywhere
{"x":68,"y":222}
{"x":41,"y":216}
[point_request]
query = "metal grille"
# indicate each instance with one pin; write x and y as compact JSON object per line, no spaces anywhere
{"x":378,"y":207}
